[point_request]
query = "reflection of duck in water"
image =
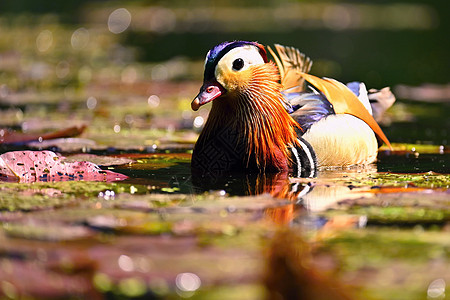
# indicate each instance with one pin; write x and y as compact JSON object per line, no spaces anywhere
{"x":246,"y":184}
{"x":305,"y":195}
{"x":320,"y":194}
{"x":262,"y":118}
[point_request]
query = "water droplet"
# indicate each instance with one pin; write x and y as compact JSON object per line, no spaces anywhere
{"x":110,"y":195}
{"x":107,"y":195}
{"x":133,"y":189}
{"x":116,"y":128}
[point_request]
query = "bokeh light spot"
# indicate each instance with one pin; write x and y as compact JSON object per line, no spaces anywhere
{"x":163,"y":20}
{"x":44,"y":40}
{"x":80,"y":38}
{"x":129,"y":75}
{"x":91,"y":103}
{"x":125,"y":263}
{"x":62,"y":69}
{"x":132,"y":287}
{"x":160,"y":72}
{"x":102,"y":282}
{"x":119,"y":20}
{"x":436,"y":289}
{"x":153,"y":101}
{"x":188,"y":282}
{"x":198,"y":121}
{"x":84,"y":74}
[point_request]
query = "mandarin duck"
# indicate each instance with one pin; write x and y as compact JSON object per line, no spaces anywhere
{"x":265,"y":118}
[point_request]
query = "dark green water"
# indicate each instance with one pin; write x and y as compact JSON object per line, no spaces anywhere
{"x":178,"y":178}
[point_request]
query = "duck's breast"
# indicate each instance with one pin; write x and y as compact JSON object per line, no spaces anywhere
{"x":342,"y":140}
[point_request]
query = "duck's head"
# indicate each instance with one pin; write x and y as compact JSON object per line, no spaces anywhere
{"x":241,"y":81}
{"x":228,"y":70}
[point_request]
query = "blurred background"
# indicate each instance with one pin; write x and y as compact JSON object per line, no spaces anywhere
{"x":125,"y":72}
{"x":79,"y":51}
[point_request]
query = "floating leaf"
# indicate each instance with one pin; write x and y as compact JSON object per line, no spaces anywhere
{"x":30,"y":166}
{"x":12,"y":137}
{"x":66,"y":144}
{"x":46,"y":232}
{"x":101,"y":160}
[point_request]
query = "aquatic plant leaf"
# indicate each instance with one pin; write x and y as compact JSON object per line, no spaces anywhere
{"x":52,"y":231}
{"x":30,"y":166}
{"x":12,"y":137}
{"x":65,"y":144}
{"x":101,"y":160}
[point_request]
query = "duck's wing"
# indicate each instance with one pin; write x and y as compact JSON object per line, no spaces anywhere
{"x":294,"y":67}
{"x":291,"y":63}
{"x":345,"y":102}
{"x":305,"y":105}
{"x":376,"y":101}
{"x":308,"y":108}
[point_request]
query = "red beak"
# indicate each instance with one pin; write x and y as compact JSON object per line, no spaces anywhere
{"x":208,"y":92}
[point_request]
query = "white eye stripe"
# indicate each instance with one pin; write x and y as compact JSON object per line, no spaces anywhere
{"x":248,"y":53}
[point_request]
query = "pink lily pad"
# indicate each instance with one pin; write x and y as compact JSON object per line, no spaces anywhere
{"x":31,"y":166}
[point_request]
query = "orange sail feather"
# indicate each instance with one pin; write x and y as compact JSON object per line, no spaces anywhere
{"x":345,"y":102}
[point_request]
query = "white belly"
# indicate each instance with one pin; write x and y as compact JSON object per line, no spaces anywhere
{"x":342,"y":140}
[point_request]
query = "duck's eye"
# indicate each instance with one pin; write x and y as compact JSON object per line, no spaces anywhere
{"x":238,"y":64}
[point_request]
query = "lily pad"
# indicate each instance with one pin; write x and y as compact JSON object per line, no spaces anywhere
{"x":30,"y":166}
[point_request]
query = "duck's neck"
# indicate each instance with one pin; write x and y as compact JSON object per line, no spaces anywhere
{"x":259,"y":117}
